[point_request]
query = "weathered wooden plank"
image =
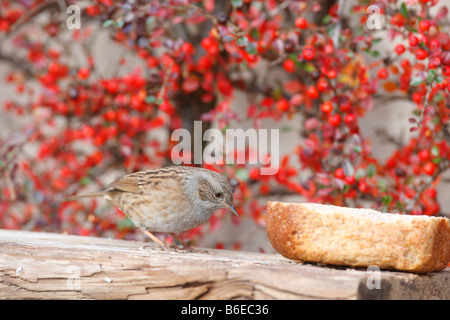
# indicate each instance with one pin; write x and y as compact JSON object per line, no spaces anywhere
{"x":37,"y":265}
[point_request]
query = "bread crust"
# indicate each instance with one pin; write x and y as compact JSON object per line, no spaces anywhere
{"x":358,"y":237}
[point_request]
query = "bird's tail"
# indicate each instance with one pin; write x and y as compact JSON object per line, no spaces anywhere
{"x":88,"y":195}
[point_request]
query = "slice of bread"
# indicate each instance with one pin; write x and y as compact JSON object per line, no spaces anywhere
{"x":335,"y":235}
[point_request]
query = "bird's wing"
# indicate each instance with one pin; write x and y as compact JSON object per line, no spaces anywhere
{"x":145,"y":181}
{"x":128,"y":183}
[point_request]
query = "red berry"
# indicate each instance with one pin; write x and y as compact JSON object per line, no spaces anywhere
{"x":334,"y":119}
{"x":446,"y":70}
{"x":210,"y":46}
{"x":289,"y":65}
{"x":350,"y":119}
{"x":112,"y":86}
{"x":92,"y":11}
{"x":53,"y":68}
{"x":424,"y":25}
{"x":398,"y":20}
{"x":301,"y":23}
{"x":413,"y":40}
{"x":424,"y":154}
{"x":405,"y":64}
{"x":363,"y":186}
{"x":345,"y":106}
{"x":434,"y":44}
{"x":254,"y":173}
{"x":332,"y":74}
{"x":322,"y":85}
{"x":326,"y":107}
{"x":220,"y":245}
{"x":399,"y":49}
{"x":166,"y":107}
{"x":421,"y":54}
{"x":283,"y":105}
{"x":4,"y":25}
{"x":110,"y":115}
{"x":429,"y":168}
{"x":308,"y":52}
{"x":339,"y":173}
{"x":83,"y":73}
{"x":350,"y":179}
{"x":383,"y":73}
{"x":431,"y":193}
{"x":312,"y":92}
{"x":207,"y":43}
{"x":264,"y":189}
{"x":152,"y":62}
{"x":409,"y":193}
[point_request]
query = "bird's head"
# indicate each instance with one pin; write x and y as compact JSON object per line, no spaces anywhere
{"x":215,"y":192}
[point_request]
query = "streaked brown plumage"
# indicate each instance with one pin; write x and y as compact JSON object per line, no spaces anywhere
{"x":171,"y":199}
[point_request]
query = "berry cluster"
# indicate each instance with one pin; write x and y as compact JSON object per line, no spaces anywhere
{"x":190,"y":58}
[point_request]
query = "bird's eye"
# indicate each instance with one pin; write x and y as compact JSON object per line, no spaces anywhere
{"x":218,"y":194}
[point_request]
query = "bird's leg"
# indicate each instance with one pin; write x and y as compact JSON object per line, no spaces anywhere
{"x":154,"y":238}
{"x":185,"y":245}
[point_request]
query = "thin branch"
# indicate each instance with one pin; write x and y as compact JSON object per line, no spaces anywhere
{"x":28,"y":15}
{"x":165,"y":82}
{"x":424,"y":186}
{"x":389,"y":138}
{"x":279,"y":8}
{"x":18,"y":64}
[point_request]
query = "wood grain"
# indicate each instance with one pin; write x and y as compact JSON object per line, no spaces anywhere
{"x":53,"y":266}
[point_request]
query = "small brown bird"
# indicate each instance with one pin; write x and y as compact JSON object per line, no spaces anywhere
{"x":170,"y":199}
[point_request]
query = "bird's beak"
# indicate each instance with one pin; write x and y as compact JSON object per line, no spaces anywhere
{"x":230,"y":208}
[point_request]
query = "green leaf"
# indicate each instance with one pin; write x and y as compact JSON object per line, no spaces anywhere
{"x":376,"y":40}
{"x":108,"y":23}
{"x":400,"y":205}
{"x":360,"y":173}
{"x":436,"y":160}
{"x":438,"y":97}
{"x":374,"y":53}
{"x":431,"y":75}
{"x":416,"y":81}
{"x":150,"y":99}
{"x":125,"y":224}
{"x":242,"y":41}
{"x":348,"y":168}
{"x":150,"y":21}
{"x":309,"y":68}
{"x":277,"y":93}
{"x":85,"y":181}
{"x":326,"y":19}
{"x":404,"y":10}
{"x":119,"y":24}
{"x":382,"y":184}
{"x":387,"y":199}
{"x":227,"y":38}
{"x":371,"y":170}
{"x":346,"y":188}
{"x":236,"y":3}
{"x":436,"y":120}
{"x":435,"y":151}
{"x":242,"y":174}
{"x":251,"y":48}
